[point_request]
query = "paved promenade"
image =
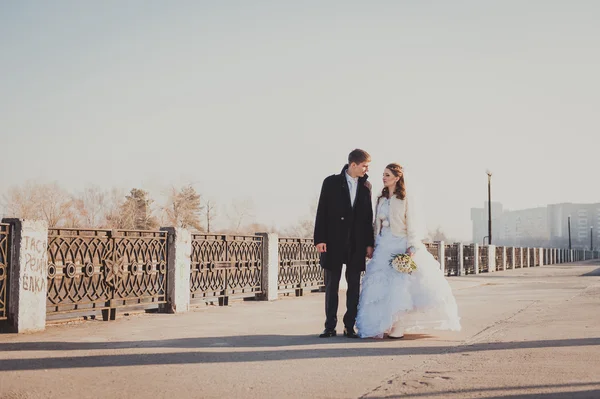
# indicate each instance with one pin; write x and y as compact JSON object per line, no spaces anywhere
{"x":529,"y":333}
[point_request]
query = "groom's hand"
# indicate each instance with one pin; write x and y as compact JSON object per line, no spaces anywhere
{"x":321,"y":247}
{"x":369,"y":252}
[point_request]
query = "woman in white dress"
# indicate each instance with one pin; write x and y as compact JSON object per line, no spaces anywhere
{"x":393,"y":302}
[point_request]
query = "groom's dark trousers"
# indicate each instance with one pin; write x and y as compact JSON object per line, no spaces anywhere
{"x":332,"y":286}
{"x":347,"y":230}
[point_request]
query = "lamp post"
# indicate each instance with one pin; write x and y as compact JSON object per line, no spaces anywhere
{"x":592,"y":238}
{"x":569,"y":223}
{"x":489,"y":173}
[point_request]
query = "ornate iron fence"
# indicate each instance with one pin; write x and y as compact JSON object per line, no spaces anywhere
{"x":4,"y":269}
{"x":105,"y":269}
{"x":518,"y":252}
{"x":433,"y":248}
{"x":451,"y":254}
{"x":499,"y":258}
{"x":469,"y":258}
{"x":483,"y":259}
{"x":299,"y":265}
{"x":224,"y":266}
{"x":509,"y":258}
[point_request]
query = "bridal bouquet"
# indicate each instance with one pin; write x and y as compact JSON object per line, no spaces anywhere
{"x":403,"y":263}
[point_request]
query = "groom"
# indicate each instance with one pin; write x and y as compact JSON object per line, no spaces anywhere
{"x":344,"y":235}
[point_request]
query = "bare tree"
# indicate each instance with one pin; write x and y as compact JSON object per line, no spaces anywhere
{"x":134,"y":213}
{"x":240,"y":211}
{"x":112,"y":215}
{"x":48,"y":202}
{"x":184,"y":208}
{"x":438,"y":235}
{"x":91,"y":207}
{"x":210,"y":214}
{"x":258,"y":227}
{"x":22,"y":202}
{"x":305,"y":227}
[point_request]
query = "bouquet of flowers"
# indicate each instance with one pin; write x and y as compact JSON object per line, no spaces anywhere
{"x":403,"y":263}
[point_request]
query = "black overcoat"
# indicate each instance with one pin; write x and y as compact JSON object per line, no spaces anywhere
{"x":346,"y":230}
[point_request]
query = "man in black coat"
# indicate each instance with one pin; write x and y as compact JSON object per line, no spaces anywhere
{"x":344,"y":235}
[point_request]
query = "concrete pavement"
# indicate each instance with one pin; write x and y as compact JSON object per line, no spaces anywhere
{"x":528,"y":333}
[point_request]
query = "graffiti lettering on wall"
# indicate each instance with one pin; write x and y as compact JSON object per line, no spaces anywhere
{"x":35,"y":256}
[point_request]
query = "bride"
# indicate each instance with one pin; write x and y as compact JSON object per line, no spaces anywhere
{"x":393,"y":302}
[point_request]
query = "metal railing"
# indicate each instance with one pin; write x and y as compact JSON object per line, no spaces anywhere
{"x":4,"y":269}
{"x":299,"y":265}
{"x":509,"y":258}
{"x":105,"y":270}
{"x":452,"y":264}
{"x":483,"y":259}
{"x":433,"y":249}
{"x":224,"y":266}
{"x":518,"y":252}
{"x":499,"y":258}
{"x":469,"y":258}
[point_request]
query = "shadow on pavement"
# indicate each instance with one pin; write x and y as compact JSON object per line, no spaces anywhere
{"x":213,"y":355}
{"x":592,"y":273}
{"x":592,"y":394}
{"x":270,"y":341}
{"x":497,"y":392}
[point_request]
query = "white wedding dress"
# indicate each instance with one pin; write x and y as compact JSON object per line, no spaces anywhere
{"x":421,"y":300}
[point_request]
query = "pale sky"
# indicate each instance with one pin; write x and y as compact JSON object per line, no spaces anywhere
{"x":263,"y":99}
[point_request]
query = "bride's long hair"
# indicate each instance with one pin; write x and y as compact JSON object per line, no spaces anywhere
{"x":400,"y":189}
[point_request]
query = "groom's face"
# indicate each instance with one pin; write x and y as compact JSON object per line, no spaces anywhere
{"x":359,"y":170}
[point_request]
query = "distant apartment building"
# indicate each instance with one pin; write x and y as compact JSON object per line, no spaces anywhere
{"x":543,"y":226}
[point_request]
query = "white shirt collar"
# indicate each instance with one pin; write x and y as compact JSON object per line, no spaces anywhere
{"x":351,"y":179}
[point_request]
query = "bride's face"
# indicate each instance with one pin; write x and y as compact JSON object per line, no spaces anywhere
{"x":389,"y":180}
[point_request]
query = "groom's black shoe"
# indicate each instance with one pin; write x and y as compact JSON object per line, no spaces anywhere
{"x":349,"y":332}
{"x":328,"y":333}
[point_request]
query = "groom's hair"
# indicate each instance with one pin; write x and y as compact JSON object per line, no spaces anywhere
{"x":358,"y":156}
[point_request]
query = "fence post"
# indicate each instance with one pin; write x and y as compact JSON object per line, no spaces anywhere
{"x":521,"y":255}
{"x":179,"y":259}
{"x":542,"y":257}
{"x":442,"y":256}
{"x":28,"y":275}
{"x":270,"y":266}
{"x":461,"y":260}
{"x":491,"y":258}
{"x":476,"y":258}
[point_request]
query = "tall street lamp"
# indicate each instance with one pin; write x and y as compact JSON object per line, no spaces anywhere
{"x":592,"y":238}
{"x":569,"y":224}
{"x":489,"y":173}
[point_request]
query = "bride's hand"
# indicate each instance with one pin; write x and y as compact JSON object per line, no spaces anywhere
{"x":410,"y":251}
{"x":369,"y":252}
